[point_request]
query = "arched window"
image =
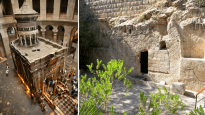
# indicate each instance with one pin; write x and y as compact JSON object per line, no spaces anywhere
{"x":60,"y":34}
{"x":27,"y":40}
{"x":22,"y":38}
{"x":11,"y":31}
{"x":33,"y":39}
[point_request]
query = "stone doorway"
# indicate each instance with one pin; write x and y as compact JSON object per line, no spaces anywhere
{"x":144,"y":62}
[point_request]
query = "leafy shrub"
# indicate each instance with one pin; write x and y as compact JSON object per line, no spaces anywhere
{"x":197,"y":111}
{"x":201,"y":3}
{"x":100,"y":91}
{"x":170,"y":102}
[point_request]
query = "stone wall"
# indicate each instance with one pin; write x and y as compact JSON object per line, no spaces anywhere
{"x":115,"y":8}
{"x":158,"y":61}
{"x":2,"y":48}
{"x":192,"y":73}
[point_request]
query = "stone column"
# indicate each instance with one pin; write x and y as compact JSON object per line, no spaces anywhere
{"x":36,"y":38}
{"x":67,"y":34}
{"x":43,"y":31}
{"x":36,"y":84}
{"x":25,"y":40}
{"x":5,"y":40}
{"x":30,"y":40}
{"x":55,"y":33}
{"x":55,"y":88}
{"x":30,"y":3}
{"x":1,"y":10}
{"x":70,"y":9}
{"x":39,"y":81}
{"x":15,"y":5}
{"x":43,"y":85}
{"x":56,"y":9}
{"x":43,"y":9}
{"x":21,"y":41}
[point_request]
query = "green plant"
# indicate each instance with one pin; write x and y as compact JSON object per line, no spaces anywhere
{"x":87,"y":40}
{"x":100,"y":90}
{"x":170,"y":101}
{"x":197,"y":111}
{"x":200,"y":3}
{"x":89,"y":108}
{"x":154,"y":18}
{"x":141,"y":17}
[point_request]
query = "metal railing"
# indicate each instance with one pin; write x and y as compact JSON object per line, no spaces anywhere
{"x":200,"y":99}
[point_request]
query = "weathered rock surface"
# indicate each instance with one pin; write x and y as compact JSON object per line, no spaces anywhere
{"x":170,"y":31}
{"x":178,"y":87}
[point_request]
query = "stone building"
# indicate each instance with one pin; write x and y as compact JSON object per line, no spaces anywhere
{"x":57,"y":20}
{"x":162,"y":39}
{"x":36,"y":60}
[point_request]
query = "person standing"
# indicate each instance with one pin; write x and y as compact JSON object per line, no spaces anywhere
{"x":7,"y":69}
{"x":7,"y":73}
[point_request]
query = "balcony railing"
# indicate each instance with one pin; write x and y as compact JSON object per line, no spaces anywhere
{"x":200,"y":99}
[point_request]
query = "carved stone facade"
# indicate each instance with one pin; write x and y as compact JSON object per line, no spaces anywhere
{"x":37,"y":60}
{"x":56,"y":21}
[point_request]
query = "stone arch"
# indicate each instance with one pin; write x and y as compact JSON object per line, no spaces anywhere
{"x":27,"y":39}
{"x":39,"y":30}
{"x":73,"y":39}
{"x":49,"y":32}
{"x":73,"y":34}
{"x":61,"y":31}
{"x":11,"y":31}
{"x":33,"y":37}
{"x":22,"y":39}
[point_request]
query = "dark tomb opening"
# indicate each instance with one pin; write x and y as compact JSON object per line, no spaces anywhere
{"x":144,"y":62}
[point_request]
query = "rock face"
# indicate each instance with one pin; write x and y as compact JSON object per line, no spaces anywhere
{"x":178,"y":87}
{"x":164,"y":37}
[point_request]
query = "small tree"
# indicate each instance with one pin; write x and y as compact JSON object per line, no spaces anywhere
{"x":197,"y":111}
{"x":169,"y":101}
{"x":100,"y":91}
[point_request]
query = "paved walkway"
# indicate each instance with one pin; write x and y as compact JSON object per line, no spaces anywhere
{"x":131,"y":102}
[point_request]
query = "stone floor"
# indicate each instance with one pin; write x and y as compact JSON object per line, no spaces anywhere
{"x":74,"y":64}
{"x":131,"y":102}
{"x":13,"y":98}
